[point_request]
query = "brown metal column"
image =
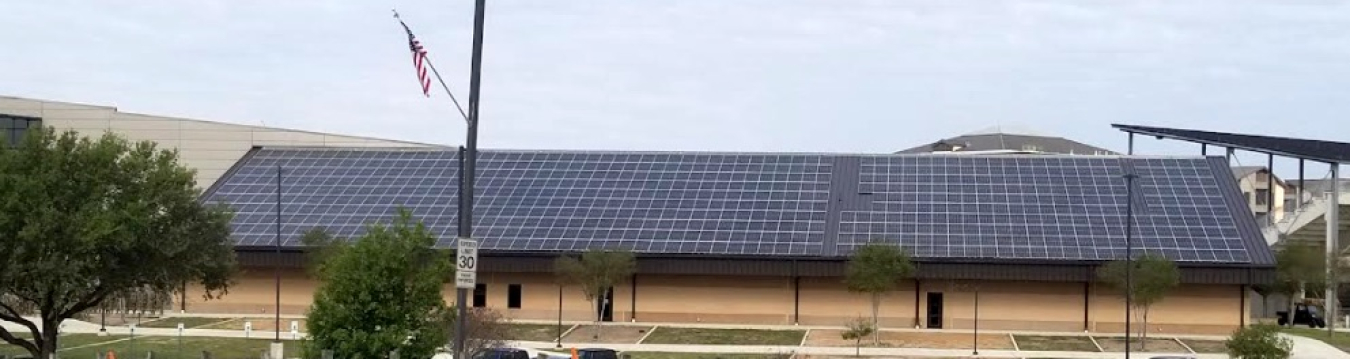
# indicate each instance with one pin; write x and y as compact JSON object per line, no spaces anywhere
{"x":1087,"y":302}
{"x":1242,"y":306}
{"x":916,"y":303}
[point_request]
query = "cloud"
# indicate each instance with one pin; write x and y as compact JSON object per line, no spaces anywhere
{"x":745,"y":75}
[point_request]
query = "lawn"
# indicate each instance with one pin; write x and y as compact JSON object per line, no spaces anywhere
{"x":662,"y":355}
{"x":1054,"y":343}
{"x":188,"y":322}
{"x":1339,"y":340}
{"x":671,"y":335}
{"x":536,"y":332}
{"x":66,"y":341}
{"x":1206,"y":346}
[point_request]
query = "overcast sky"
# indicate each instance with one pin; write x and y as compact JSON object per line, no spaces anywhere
{"x":742,"y":75}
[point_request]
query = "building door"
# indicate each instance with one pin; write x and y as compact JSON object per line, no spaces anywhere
{"x":604,"y":306}
{"x":935,"y":310}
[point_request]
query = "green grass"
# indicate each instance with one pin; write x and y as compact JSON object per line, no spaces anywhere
{"x":65,"y":341}
{"x":1206,"y":346}
{"x":663,"y":355}
{"x":536,"y":332}
{"x":1339,"y":340}
{"x":89,"y":345}
{"x":188,"y":322}
{"x":671,"y":335}
{"x":1054,"y":343}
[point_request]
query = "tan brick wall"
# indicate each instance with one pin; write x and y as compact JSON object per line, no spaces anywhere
{"x":1043,"y":306}
{"x":210,"y":148}
{"x":827,"y":301}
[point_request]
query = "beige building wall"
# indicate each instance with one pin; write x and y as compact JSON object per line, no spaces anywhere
{"x":1036,"y":306}
{"x":827,"y":301}
{"x":1263,"y":180}
{"x":208,"y":147}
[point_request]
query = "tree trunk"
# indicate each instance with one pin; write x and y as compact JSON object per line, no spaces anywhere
{"x":876,"y":327}
{"x":598,"y":316}
{"x":49,"y":334}
{"x":1143,"y":331}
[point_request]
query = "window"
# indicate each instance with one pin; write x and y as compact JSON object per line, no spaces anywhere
{"x":1031,"y":148}
{"x":13,"y":128}
{"x":479,"y":295}
{"x":1247,"y":195}
{"x":1262,"y":196}
{"x":513,"y":296}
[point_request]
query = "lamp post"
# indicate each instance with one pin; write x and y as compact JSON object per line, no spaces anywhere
{"x":1129,"y":255}
{"x":560,"y":308}
{"x":976,"y":343}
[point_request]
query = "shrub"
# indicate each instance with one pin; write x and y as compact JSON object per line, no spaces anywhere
{"x":1259,"y":342}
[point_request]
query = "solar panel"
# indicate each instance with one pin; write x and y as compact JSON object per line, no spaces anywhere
{"x":1067,"y":208}
{"x":547,"y":201}
{"x":1008,"y":207}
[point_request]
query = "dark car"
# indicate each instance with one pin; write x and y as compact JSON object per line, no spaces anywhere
{"x":597,"y":353}
{"x":502,"y":353}
{"x":1303,"y":314}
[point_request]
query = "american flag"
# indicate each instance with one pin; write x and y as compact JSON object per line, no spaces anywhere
{"x":419,"y":55}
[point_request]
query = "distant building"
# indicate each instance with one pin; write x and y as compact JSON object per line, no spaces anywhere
{"x":1256,"y":184}
{"x":1001,"y":139}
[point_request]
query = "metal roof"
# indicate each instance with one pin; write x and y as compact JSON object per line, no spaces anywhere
{"x":1317,"y":150}
{"x":1042,"y":207}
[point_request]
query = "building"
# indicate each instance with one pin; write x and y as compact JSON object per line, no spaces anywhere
{"x":1001,"y":139}
{"x":1264,"y":192}
{"x":736,"y":237}
{"x":763,"y":237}
{"x":208,"y":147}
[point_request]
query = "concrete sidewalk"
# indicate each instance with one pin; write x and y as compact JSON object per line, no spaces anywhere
{"x":1304,"y":348}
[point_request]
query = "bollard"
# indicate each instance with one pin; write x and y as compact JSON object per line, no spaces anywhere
{"x":150,"y":355}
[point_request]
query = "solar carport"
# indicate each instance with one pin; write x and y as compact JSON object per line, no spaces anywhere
{"x":763,"y":237}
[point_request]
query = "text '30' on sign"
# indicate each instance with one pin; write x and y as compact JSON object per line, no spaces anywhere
{"x":466,"y":263}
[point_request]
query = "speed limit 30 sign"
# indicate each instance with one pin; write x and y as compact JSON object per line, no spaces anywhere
{"x":466,"y":263}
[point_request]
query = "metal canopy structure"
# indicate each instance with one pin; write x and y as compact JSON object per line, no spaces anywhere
{"x":1332,"y":153}
{"x":1314,"y":150}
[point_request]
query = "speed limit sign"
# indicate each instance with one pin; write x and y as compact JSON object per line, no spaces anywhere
{"x":466,"y":263}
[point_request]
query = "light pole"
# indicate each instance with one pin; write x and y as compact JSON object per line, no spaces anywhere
{"x":976,"y":342}
{"x":560,"y":308}
{"x":1129,"y":255}
{"x":470,"y":160}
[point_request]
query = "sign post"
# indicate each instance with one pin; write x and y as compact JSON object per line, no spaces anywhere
{"x":466,"y":264}
{"x":466,"y":276}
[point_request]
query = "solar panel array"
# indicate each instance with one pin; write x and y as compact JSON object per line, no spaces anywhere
{"x":1015,"y":207}
{"x":1069,"y":208}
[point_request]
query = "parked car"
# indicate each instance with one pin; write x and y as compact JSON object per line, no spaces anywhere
{"x":503,"y":353}
{"x":597,"y":353}
{"x":1303,"y":315}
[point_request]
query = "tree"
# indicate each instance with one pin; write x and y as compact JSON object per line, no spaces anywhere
{"x":319,"y":246}
{"x":1259,"y":342}
{"x":486,"y":328}
{"x":1298,"y":268}
{"x":877,"y":268}
{"x":856,"y":330}
{"x":1153,"y":276}
{"x":84,"y":220}
{"x":382,"y":293}
{"x":596,"y":272}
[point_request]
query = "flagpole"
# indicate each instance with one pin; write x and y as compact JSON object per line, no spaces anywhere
{"x":427,"y":58}
{"x":447,"y":88}
{"x":470,"y":160}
